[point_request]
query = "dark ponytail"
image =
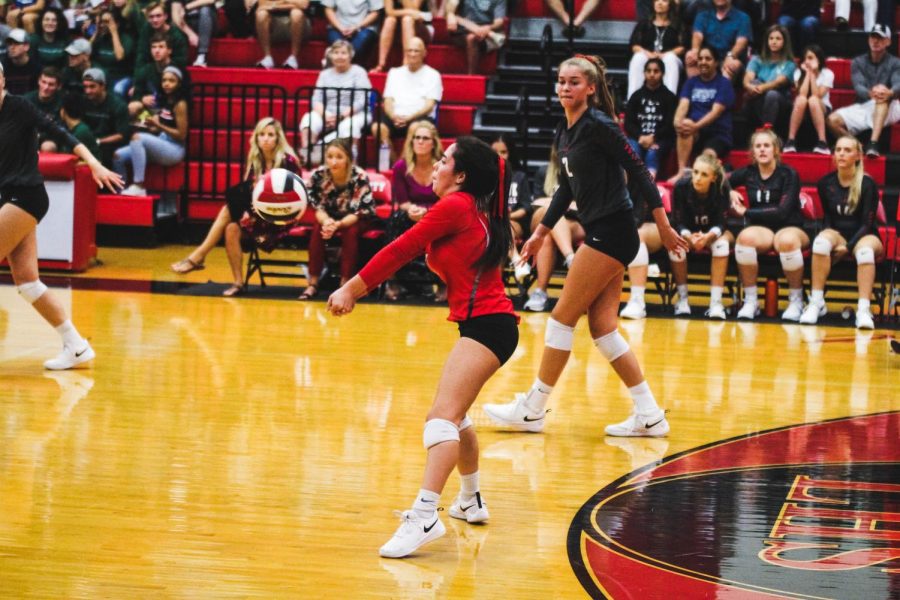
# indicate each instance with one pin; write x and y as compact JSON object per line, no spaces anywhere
{"x":488,"y":178}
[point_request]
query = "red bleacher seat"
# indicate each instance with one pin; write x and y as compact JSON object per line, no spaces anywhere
{"x":617,"y":10}
{"x":812,"y":167}
{"x":135,"y":211}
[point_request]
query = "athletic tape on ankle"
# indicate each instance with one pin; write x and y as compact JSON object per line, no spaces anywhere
{"x":438,"y":431}
{"x":558,"y":336}
{"x":822,"y":246}
{"x":719,"y":248}
{"x":791,"y":261}
{"x":465,"y":423}
{"x":611,"y":346}
{"x":677,"y":255}
{"x":864,"y":256}
{"x":744,"y":255}
{"x":642,"y":259}
{"x":32,"y":290}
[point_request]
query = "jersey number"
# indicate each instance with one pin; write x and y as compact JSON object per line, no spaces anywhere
{"x":565,"y":162}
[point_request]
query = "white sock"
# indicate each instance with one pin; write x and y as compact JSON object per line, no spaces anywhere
{"x":715,"y":295}
{"x":637,"y":293}
{"x":795,"y":295}
{"x":70,"y":335}
{"x":817,"y":297}
{"x":426,"y":503}
{"x":569,"y":259}
{"x":644,"y":402}
{"x":538,"y":395}
{"x":469,"y":486}
{"x":683,"y":291}
{"x":863,"y":305}
{"x":750,"y":294}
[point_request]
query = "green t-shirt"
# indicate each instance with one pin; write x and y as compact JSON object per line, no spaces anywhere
{"x":177,"y":40}
{"x":49,"y":54}
{"x":108,"y":118}
{"x":104,"y":56}
{"x":51,"y":107}
{"x":83,"y":134}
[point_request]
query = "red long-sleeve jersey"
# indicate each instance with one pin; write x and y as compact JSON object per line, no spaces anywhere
{"x":453,"y":235}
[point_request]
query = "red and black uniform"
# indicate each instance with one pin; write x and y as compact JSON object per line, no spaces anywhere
{"x":453,"y":234}
{"x":692,"y":213}
{"x":851,"y":225}
{"x":774,"y":202}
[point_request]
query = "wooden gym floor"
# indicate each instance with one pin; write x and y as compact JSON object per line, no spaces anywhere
{"x":246,"y":448}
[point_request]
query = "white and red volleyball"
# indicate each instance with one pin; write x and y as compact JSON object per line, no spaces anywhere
{"x":280,"y":197}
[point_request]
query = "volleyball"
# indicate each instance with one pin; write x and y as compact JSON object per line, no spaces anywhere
{"x":280,"y":197}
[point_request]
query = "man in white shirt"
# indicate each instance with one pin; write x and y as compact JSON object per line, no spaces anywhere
{"x":411,"y":93}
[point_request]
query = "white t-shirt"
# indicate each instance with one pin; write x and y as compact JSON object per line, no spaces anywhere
{"x":825,"y":79}
{"x":410,"y":90}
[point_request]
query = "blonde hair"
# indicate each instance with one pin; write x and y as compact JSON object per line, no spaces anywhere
{"x":855,"y":190}
{"x":716,"y":165}
{"x":551,"y":179}
{"x":437,"y":150}
{"x":776,"y":143}
{"x":256,"y":160}
{"x":594,"y":70}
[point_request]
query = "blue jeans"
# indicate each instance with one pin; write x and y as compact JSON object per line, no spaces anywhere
{"x":651,"y":157}
{"x":158,"y":149}
{"x":803,"y":32}
{"x":362,"y":41}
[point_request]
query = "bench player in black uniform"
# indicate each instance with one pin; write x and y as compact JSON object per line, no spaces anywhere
{"x":24,"y":202}
{"x":593,"y":157}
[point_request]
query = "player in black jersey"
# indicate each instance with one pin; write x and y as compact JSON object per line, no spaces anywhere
{"x":772,"y":220}
{"x":698,"y":214}
{"x":594,"y":156}
{"x":850,"y":201}
{"x":24,"y":202}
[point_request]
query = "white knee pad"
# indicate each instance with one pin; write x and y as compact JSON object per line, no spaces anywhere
{"x":558,"y":336}
{"x":719,"y":248}
{"x":864,"y":256}
{"x":465,"y":423}
{"x":791,"y":261}
{"x":677,"y":256}
{"x":745,"y":255}
{"x":822,"y":246}
{"x":642,"y":259}
{"x":612,"y":345}
{"x":32,"y":290}
{"x":438,"y":431}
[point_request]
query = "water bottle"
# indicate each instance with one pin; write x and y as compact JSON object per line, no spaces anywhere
{"x":384,"y":158}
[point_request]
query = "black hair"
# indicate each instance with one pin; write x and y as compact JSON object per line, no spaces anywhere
{"x":52,"y":72}
{"x":658,"y":62}
{"x":507,"y":140}
{"x":482,"y":167}
{"x":73,"y":104}
{"x":717,"y":56}
{"x":62,"y":24}
{"x":820,"y":55}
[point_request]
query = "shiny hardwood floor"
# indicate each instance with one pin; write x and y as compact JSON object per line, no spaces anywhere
{"x":247,"y":448}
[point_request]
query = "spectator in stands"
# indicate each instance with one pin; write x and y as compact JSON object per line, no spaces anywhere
{"x":813,"y":82}
{"x":269,"y":149}
{"x":278,"y":21}
{"x":703,"y":116}
{"x":876,"y":80}
{"x":477,"y":27}
{"x":659,"y":36}
{"x":21,"y":70}
{"x":105,"y":113}
{"x":79,"y":59}
{"x":131,"y":16}
{"x":197,"y":20}
{"x":112,"y":49}
{"x":558,"y":8}
{"x":411,"y":190}
{"x":47,"y":99}
{"x":49,"y":41}
{"x":769,"y":79}
{"x":148,"y":78}
{"x":801,"y":18}
{"x":698,"y":214}
{"x":411,"y":93}
{"x":850,"y":201}
{"x":649,"y":115}
{"x":842,"y":14}
{"x":24,"y":14}
{"x":158,"y":21}
{"x":355,"y":21}
{"x":518,"y":202}
{"x":728,"y":31}
{"x":339,"y":192}
{"x":415,"y":21}
{"x":4,"y":30}
{"x":338,"y":114}
{"x":71,"y":113}
{"x":772,"y":220}
{"x":165,"y":134}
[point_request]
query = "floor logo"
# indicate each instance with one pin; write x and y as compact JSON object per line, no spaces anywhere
{"x":809,"y":511}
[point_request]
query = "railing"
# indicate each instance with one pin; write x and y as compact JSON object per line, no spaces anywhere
{"x":570,"y":31}
{"x":546,"y":49}
{"x":523,"y":110}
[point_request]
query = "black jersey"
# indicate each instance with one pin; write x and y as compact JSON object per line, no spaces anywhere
{"x":851,"y":225}
{"x":774,"y":202}
{"x":693,"y":213}
{"x":594,"y":156}
{"x":519,"y":192}
{"x":20,"y":123}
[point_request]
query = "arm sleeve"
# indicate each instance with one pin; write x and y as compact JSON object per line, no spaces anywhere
{"x":718,"y":217}
{"x":679,"y":200}
{"x":738,"y":178}
{"x":868,"y":206}
{"x":823,"y":198}
{"x":860,"y":84}
{"x":895,"y":77}
{"x":612,"y":140}
{"x":121,"y":121}
{"x":440,"y":221}
{"x":635,"y":39}
{"x":362,"y":204}
{"x":560,"y":202}
{"x":788,"y":203}
{"x":665,"y":130}
{"x":361,"y":82}
{"x":48,"y":126}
